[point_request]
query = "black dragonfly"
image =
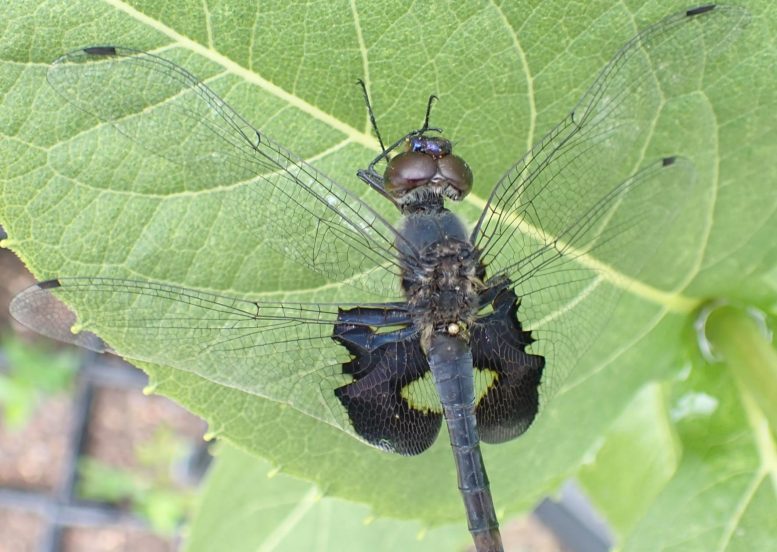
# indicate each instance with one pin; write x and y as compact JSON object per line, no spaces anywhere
{"x":553,"y":246}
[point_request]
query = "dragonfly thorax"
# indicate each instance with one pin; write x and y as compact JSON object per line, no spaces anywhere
{"x":425,"y":173}
{"x":442,"y":279}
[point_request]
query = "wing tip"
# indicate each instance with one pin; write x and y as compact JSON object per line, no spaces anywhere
{"x":49,"y":284}
{"x":700,"y":10}
{"x":101,"y":51}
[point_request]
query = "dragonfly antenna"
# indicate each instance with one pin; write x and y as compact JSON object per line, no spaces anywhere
{"x":372,"y":114}
{"x":432,"y":98}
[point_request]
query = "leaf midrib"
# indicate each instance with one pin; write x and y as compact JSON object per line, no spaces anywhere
{"x":673,"y":301}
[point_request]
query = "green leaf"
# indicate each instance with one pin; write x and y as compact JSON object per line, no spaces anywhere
{"x":722,"y":496}
{"x":505,"y":75}
{"x":150,"y":496}
{"x":278,"y":512}
{"x":100,"y":481}
{"x":719,"y":494}
{"x":642,"y":449}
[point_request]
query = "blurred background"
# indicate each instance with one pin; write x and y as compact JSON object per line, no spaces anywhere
{"x":88,"y":462}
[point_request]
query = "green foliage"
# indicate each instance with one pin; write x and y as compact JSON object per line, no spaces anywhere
{"x":283,"y":513}
{"x":505,"y":74}
{"x":642,"y":449}
{"x":149,"y":490}
{"x":33,"y":373}
{"x":722,"y":492}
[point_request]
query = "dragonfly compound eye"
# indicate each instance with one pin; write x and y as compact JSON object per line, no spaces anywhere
{"x":457,"y":174}
{"x":407,"y":171}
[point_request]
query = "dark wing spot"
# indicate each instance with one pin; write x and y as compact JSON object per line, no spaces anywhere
{"x":100,"y":51}
{"x":49,"y":284}
{"x":378,"y":411}
{"x":699,"y":10}
{"x":498,"y":344}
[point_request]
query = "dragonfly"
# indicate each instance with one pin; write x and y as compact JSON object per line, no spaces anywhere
{"x":470,"y":327}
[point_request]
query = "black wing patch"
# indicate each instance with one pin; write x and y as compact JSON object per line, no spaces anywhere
{"x":498,"y":344}
{"x":383,"y":367}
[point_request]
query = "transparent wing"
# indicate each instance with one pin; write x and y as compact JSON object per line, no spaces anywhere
{"x":280,"y":352}
{"x":285,"y":202}
{"x":567,"y":224}
{"x":599,"y":144}
{"x":646,"y":226}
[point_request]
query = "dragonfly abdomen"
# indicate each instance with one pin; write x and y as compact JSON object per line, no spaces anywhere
{"x":451,"y":363}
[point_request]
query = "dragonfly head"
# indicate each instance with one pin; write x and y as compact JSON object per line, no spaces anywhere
{"x":427,"y":168}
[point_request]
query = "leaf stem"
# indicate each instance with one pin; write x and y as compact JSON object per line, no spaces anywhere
{"x":737,"y":339}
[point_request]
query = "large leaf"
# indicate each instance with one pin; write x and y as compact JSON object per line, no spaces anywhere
{"x":723,"y":493}
{"x":279,"y":512}
{"x":505,"y":74}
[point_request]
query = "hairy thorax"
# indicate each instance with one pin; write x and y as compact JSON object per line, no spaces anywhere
{"x":442,"y":281}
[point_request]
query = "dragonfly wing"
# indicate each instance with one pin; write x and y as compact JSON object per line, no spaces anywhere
{"x":540,"y":201}
{"x":299,"y":354}
{"x":507,"y":374}
{"x":281,"y":199}
{"x":568,"y":226}
{"x":392,"y":401}
{"x":276,"y":351}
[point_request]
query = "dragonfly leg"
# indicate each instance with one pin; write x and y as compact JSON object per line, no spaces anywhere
{"x":375,"y":181}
